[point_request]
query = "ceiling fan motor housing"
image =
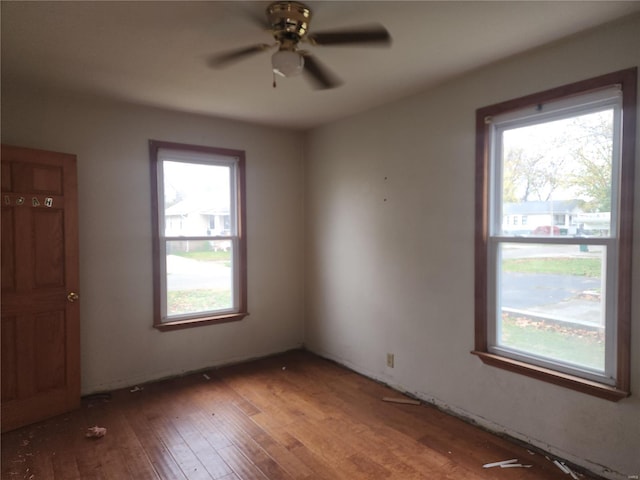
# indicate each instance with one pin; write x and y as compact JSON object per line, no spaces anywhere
{"x":289,"y":21}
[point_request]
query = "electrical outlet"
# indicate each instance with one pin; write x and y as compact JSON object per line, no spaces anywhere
{"x":390,"y":360}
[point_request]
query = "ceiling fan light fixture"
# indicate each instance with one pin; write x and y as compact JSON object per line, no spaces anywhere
{"x":288,"y":22}
{"x":287,"y":63}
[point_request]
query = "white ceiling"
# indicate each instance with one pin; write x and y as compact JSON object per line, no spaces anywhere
{"x":155,"y":53}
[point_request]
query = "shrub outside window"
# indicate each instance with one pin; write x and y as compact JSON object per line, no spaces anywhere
{"x":553,"y":293}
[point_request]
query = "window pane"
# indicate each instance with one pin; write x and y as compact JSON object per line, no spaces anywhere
{"x":551,"y":302}
{"x":557,"y":174}
{"x":197,"y":199}
{"x":199,"y":276}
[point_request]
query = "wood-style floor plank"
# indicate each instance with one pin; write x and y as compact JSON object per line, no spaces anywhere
{"x":120,"y":452}
{"x":241,"y":465}
{"x":243,"y":433}
{"x":293,"y":416}
{"x":204,"y":451}
{"x":158,"y":454}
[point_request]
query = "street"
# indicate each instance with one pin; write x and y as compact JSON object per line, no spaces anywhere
{"x":186,"y":274}
{"x":573,"y":298}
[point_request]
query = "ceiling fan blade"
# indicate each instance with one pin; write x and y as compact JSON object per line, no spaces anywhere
{"x":368,"y":35}
{"x":321,"y":77}
{"x":221,"y":60}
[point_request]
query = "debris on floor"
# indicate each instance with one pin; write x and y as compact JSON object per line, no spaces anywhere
{"x":565,"y":469}
{"x":136,"y":389}
{"x":96,"y":398}
{"x":561,"y":466}
{"x":96,"y":432}
{"x":206,"y":377}
{"x":406,"y":401}
{"x":104,"y":396}
{"x":500,"y":464}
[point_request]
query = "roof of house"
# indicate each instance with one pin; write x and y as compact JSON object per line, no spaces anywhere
{"x":196,"y":205}
{"x":541,"y":208}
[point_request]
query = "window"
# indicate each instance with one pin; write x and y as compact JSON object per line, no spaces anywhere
{"x":554,"y":302}
{"x":199,"y":235}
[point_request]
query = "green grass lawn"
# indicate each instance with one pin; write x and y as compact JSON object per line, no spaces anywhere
{"x":207,"y":255}
{"x":219,"y":256}
{"x":566,"y":342}
{"x":584,"y":267}
{"x":201,"y":300}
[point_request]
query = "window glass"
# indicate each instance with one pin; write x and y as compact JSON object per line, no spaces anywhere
{"x":558,"y":173}
{"x":554,"y":200}
{"x":200,"y":272}
{"x":199,"y":277}
{"x":550,"y":303}
{"x":552,"y":166}
{"x":197,"y":198}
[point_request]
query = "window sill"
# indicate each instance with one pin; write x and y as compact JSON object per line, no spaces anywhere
{"x":199,"y":322}
{"x":551,"y":376}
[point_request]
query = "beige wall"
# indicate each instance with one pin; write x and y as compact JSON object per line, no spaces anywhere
{"x":119,"y":346}
{"x":389,"y":252}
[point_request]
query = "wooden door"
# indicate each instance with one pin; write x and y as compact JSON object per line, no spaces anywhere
{"x":40,"y":337}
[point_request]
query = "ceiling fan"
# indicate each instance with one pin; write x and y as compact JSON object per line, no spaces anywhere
{"x":289,"y":22}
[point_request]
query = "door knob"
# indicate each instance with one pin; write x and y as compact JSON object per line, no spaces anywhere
{"x":72,"y":297}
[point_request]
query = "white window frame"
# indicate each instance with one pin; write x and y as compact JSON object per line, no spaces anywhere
{"x":606,"y":99}
{"x":617,"y":90}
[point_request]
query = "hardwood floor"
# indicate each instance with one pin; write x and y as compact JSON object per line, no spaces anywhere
{"x":292,"y":416}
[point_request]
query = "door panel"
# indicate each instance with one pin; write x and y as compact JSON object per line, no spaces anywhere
{"x":50,"y":355}
{"x":8,"y":247}
{"x":40,"y":326}
{"x":9,"y":365}
{"x":48,"y":256}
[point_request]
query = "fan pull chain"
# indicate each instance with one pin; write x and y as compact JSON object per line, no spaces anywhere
{"x":274,"y":80}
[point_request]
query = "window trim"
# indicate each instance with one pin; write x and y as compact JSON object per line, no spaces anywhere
{"x":240,"y":189}
{"x":627,"y":79}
